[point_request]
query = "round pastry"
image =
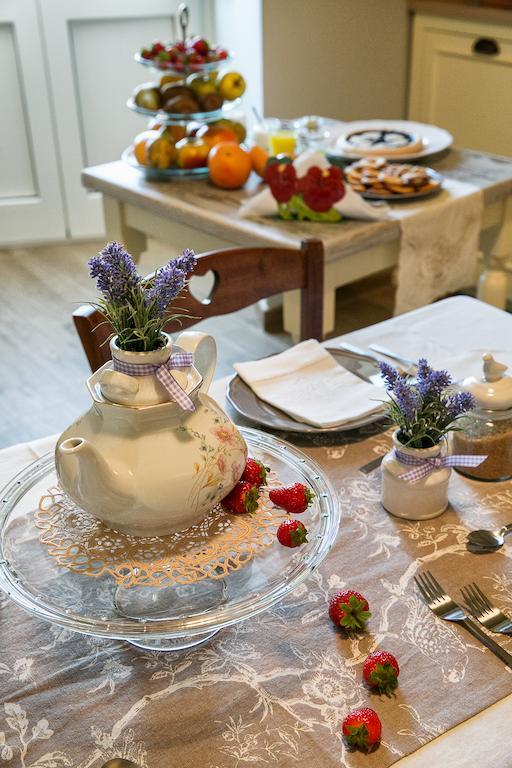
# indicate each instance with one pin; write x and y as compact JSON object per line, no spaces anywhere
{"x":376,"y":176}
{"x":380,"y":141}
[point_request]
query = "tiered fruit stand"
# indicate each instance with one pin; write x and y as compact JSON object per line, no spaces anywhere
{"x":179,"y":71}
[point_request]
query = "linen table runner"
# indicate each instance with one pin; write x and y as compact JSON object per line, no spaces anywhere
{"x":274,"y":689}
{"x":439,"y":244}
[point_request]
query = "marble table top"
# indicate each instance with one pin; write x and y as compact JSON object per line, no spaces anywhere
{"x":198,"y":204}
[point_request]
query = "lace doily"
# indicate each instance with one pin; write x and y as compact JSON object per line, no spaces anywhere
{"x":210,"y":549}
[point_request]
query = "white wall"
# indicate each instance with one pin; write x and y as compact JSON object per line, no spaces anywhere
{"x":345,"y":59}
{"x":238,"y":27}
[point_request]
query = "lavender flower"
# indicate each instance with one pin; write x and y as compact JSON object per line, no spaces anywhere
{"x":187,"y":261}
{"x":170,"y":280}
{"x":424,"y":369}
{"x":389,"y":374}
{"x":423,"y":410}
{"x":138,"y":310}
{"x":431,"y":383}
{"x":406,"y":398}
{"x":460,"y":403}
{"x":115,"y":272}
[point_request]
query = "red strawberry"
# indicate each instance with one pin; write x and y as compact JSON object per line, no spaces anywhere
{"x":381,"y":671}
{"x":293,"y":498}
{"x":157,"y":47}
{"x":255,"y":472}
{"x":362,"y":728}
{"x":292,"y":533}
{"x":243,"y":498}
{"x":222,"y":53}
{"x":200,"y":45}
{"x":349,"y":609}
{"x":146,"y":53}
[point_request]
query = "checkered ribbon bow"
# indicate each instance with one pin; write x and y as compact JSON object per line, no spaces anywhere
{"x":163,"y":374}
{"x":425,"y":467}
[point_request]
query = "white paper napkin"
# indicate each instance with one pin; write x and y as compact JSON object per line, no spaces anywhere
{"x":351,"y":205}
{"x":306,"y":383}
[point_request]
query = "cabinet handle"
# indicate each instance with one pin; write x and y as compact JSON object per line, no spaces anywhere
{"x":486,"y":45}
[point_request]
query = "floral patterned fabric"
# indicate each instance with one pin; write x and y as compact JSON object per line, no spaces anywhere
{"x":273,"y":690}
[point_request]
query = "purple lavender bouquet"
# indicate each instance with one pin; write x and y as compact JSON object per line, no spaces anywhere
{"x":426,"y":408}
{"x":138,"y":308}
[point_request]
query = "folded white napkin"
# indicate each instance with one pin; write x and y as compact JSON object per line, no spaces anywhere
{"x":306,"y":383}
{"x":351,"y":205}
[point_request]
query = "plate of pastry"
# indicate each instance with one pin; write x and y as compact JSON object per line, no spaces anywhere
{"x":376,"y":179}
{"x":392,"y":139}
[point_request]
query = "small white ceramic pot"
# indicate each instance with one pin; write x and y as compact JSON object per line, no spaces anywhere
{"x":421,"y":500}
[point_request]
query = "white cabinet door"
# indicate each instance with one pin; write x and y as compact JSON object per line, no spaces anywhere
{"x":91,"y":44}
{"x":462,"y":80}
{"x":30,"y":197}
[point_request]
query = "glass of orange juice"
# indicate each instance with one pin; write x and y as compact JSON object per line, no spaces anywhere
{"x":283,"y":140}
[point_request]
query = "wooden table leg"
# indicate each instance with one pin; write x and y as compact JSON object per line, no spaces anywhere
{"x":133,"y":240}
{"x":291,"y":312}
{"x":493,"y":282}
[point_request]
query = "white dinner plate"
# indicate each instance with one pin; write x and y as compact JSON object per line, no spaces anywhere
{"x":435,"y":139}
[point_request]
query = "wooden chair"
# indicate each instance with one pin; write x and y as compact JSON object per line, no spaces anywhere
{"x":242,"y":276}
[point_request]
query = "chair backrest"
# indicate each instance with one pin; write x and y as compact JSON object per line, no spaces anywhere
{"x":242,"y":276}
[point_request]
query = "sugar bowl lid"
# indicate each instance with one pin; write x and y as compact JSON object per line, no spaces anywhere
{"x":493,"y":391}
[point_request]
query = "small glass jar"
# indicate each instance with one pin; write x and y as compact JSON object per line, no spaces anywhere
{"x":283,"y":140}
{"x":487,"y":429}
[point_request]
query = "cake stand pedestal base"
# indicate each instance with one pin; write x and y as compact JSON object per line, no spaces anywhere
{"x":148,"y":604}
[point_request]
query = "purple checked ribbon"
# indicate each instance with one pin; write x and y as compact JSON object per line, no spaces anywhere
{"x":425,"y":467}
{"x":164,"y":375}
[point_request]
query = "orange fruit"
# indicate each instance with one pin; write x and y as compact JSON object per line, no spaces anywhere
{"x":259,"y":160}
{"x":139,"y":145}
{"x":229,"y":165}
{"x":214,"y":134}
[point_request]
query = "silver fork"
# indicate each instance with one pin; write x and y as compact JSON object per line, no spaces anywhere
{"x":483,"y":610}
{"x":443,"y":606}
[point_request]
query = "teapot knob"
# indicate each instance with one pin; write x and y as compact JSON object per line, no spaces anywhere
{"x":493,"y":371}
{"x":203,"y":348}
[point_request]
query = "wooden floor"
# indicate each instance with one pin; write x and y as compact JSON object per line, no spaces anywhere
{"x":42,"y":387}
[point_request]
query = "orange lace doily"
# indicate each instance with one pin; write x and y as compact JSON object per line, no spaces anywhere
{"x":210,"y":549}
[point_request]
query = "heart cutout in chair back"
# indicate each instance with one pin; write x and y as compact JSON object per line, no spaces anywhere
{"x":202,"y":287}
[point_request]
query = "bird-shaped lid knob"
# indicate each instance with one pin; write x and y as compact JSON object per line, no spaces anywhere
{"x":493,"y":371}
{"x":493,"y":390}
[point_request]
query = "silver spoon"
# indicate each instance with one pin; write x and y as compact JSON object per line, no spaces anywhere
{"x":119,"y":762}
{"x":488,"y":541}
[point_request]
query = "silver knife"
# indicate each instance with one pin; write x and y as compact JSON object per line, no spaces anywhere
{"x":411,"y":364}
{"x":372,"y":378}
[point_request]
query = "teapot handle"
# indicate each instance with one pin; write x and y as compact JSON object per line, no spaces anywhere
{"x":204,"y":349}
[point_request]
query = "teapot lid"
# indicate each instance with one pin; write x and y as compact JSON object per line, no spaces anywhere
{"x":493,"y":391}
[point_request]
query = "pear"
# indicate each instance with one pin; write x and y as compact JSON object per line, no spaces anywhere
{"x":147,"y":97}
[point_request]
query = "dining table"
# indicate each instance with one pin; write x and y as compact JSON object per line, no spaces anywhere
{"x":188,"y":211}
{"x":274,"y":689}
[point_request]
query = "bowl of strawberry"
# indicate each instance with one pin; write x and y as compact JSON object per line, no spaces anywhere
{"x":193,"y":55}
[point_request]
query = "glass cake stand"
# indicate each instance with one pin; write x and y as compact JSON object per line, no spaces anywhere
{"x":167,"y":617}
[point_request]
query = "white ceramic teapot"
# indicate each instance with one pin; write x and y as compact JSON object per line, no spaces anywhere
{"x":139,"y":461}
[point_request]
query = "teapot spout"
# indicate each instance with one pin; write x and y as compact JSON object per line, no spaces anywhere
{"x":88,"y":479}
